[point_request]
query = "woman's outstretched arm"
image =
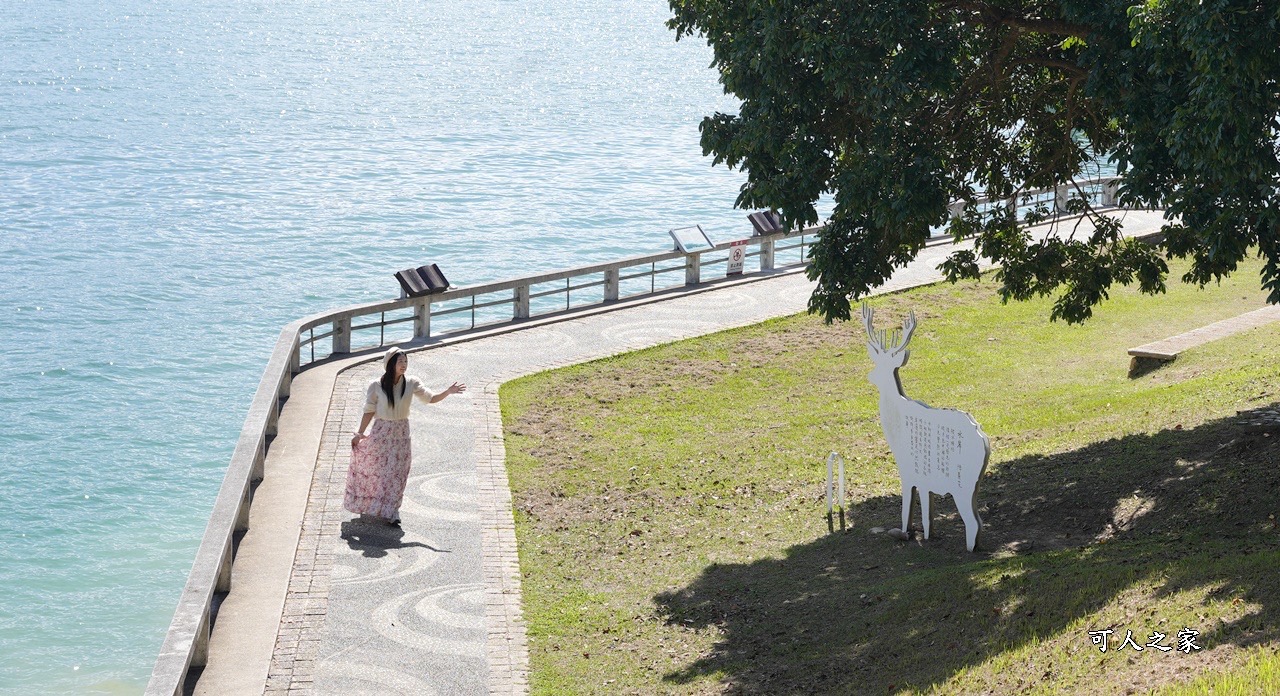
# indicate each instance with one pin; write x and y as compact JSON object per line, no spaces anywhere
{"x":455,"y":388}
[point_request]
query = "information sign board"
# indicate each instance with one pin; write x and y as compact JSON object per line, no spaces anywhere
{"x":691,"y":239}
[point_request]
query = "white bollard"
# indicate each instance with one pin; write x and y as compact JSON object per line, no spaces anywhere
{"x":829,"y":474}
{"x":840,"y":497}
{"x":835,"y":477}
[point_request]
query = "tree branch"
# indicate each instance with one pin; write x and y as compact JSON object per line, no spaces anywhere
{"x":1047,"y":62}
{"x":990,"y":14}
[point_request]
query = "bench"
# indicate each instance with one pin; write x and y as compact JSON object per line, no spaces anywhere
{"x":1146,"y":357}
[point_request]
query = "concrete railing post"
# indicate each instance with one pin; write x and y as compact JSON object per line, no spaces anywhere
{"x":223,"y":581}
{"x":273,"y":418}
{"x":612,"y":282}
{"x":342,"y":335}
{"x":1109,"y":192}
{"x":692,"y":269}
{"x":259,"y":461}
{"x":1061,"y":194}
{"x":422,"y":319}
{"x":520,"y":302}
{"x":200,"y":650}
{"x":766,"y":254}
{"x":242,"y":513}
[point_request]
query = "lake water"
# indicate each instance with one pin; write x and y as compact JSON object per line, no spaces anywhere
{"x":180,"y":180}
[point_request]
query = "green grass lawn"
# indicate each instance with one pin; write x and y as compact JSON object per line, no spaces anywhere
{"x":673,"y":536}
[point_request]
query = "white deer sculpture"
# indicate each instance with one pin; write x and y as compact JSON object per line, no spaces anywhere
{"x":938,"y":450}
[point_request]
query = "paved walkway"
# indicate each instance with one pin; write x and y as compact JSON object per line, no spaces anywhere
{"x":434,"y":607}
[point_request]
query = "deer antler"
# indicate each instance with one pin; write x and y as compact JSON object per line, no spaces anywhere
{"x":868,"y":322}
{"x":908,"y":328}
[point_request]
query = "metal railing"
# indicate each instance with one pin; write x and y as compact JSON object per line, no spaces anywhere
{"x":529,"y":297}
{"x":1100,"y":191}
{"x":186,"y":645}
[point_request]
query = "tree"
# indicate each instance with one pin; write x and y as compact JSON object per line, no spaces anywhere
{"x":898,"y":107}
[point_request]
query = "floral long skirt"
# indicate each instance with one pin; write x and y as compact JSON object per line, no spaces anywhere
{"x":379,"y":470}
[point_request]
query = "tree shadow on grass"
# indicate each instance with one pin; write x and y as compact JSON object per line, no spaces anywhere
{"x":1065,"y":535}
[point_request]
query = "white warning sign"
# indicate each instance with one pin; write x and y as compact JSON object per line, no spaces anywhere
{"x":737,"y":255}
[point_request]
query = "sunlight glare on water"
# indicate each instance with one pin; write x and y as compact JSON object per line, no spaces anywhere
{"x":178,"y":181}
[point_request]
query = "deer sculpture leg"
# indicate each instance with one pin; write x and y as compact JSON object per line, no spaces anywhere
{"x":925,"y":499}
{"x":906,"y":507}
{"x":967,"y":505}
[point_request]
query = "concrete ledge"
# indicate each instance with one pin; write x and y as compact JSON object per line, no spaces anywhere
{"x":1169,"y":348}
{"x":1151,"y":355}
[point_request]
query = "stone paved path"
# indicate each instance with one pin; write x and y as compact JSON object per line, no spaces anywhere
{"x":434,"y":607}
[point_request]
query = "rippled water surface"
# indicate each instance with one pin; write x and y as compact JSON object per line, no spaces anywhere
{"x":178,"y":180}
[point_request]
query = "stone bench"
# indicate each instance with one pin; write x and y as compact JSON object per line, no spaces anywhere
{"x":1151,"y":355}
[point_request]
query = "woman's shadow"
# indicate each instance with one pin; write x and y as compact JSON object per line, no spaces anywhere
{"x":374,"y":539}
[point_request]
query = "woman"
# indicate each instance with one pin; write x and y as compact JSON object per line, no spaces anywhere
{"x":380,"y":460}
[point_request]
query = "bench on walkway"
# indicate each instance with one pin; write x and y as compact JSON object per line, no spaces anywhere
{"x":1147,"y":357}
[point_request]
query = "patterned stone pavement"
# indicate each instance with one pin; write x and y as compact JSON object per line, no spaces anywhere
{"x":434,"y":607}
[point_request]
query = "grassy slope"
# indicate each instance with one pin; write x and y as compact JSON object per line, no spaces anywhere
{"x":672,"y":535}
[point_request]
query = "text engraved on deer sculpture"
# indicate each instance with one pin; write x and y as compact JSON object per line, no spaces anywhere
{"x":938,"y":450}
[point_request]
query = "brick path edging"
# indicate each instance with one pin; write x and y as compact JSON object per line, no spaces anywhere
{"x":306,"y":603}
{"x":506,"y":643}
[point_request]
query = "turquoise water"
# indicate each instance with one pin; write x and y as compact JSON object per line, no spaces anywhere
{"x":180,"y":180}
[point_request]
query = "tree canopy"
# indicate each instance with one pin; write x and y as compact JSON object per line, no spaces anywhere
{"x":896,"y":108}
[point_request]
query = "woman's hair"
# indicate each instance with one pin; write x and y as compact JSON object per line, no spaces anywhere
{"x":389,"y":378}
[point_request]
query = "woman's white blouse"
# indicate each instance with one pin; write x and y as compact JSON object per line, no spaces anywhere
{"x":376,"y":402}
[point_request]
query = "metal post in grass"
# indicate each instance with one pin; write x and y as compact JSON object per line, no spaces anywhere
{"x":835,"y":477}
